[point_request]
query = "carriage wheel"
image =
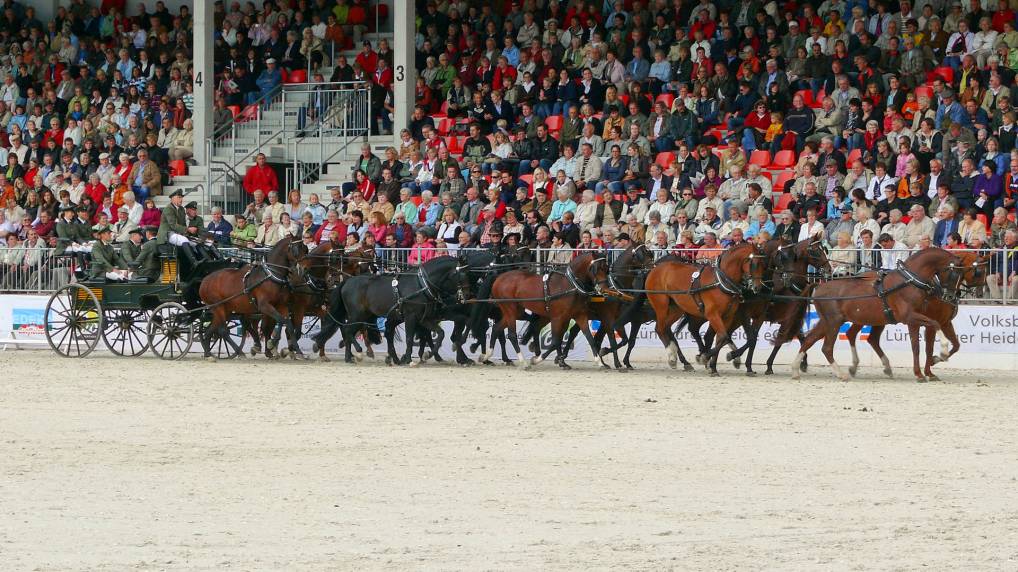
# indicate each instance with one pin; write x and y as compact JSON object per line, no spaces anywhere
{"x":219,"y":346}
{"x":170,"y":331}
{"x":73,"y":321}
{"x":125,"y":332}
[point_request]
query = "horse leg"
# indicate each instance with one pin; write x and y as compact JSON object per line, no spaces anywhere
{"x":820,"y":330}
{"x":852,"y":333}
{"x":752,"y":332}
{"x":251,"y":327}
{"x":770,"y":358}
{"x":559,"y":329}
{"x":410,"y":324}
{"x":947,"y":328}
{"x":874,"y":341}
{"x":931,"y":334}
{"x":913,"y":334}
{"x":390,"y":337}
{"x":218,"y":320}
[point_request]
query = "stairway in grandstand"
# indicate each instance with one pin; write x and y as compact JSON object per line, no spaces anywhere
{"x":315,"y":153}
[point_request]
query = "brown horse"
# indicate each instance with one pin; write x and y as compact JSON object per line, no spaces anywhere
{"x":711,"y":292}
{"x":258,"y":288}
{"x":554,"y":297}
{"x":878,"y":299}
{"x":939,"y":309}
{"x":323,"y":269}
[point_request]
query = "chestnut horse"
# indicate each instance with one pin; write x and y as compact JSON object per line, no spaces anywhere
{"x":881,"y":298}
{"x":712,"y":292}
{"x":942,"y":310}
{"x":258,"y":288}
{"x":555,"y":298}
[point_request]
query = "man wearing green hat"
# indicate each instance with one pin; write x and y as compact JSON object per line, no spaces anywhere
{"x":106,"y":263}
{"x":147,"y":262}
{"x":173,"y":223}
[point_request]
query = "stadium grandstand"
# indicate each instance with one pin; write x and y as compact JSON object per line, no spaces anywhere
{"x":879,"y":127}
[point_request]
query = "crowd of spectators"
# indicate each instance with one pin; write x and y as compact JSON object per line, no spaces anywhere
{"x":664,"y":121}
{"x":94,"y":107}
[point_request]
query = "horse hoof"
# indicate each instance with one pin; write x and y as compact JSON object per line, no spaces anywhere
{"x":426,"y":355}
{"x":535,"y":360}
{"x":211,"y":359}
{"x":673,"y":363}
{"x":935,"y":360}
{"x":414,"y":363}
{"x":714,"y":374}
{"x":314,"y":347}
{"x":920,"y":379}
{"x":348,"y":359}
{"x":564,"y":365}
{"x":932,"y":377}
{"x":844,"y":378}
{"x":852,"y":370}
{"x":795,"y":375}
{"x":701,"y":359}
{"x":729,"y":356}
{"x":628,"y":365}
{"x":889,"y":372}
{"x":359,"y":357}
{"x":688,"y":367}
{"x":750,"y":373}
{"x":388,"y":360}
{"x":769,"y":372}
{"x":621,"y":369}
{"x":605,"y":366}
{"x":370,"y":353}
{"x":803,"y":367}
{"x":255,"y":350}
{"x":438,"y":358}
{"x":603,"y":352}
{"x":737,"y":364}
{"x":324,"y":359}
{"x":487,"y":362}
{"x":508,"y":363}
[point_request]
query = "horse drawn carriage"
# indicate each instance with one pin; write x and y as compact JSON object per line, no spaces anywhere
{"x":131,"y":317}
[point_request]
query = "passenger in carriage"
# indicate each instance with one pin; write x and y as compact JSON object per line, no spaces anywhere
{"x":106,"y":263}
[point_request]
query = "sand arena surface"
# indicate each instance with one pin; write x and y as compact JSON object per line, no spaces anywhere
{"x":124,"y":464}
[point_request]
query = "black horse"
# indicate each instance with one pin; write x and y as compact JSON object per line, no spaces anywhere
{"x":417,"y":299}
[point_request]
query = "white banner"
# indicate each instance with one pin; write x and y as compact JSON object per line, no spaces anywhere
{"x":981,"y":329}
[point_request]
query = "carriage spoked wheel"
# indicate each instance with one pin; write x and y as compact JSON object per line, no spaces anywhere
{"x":73,"y":321}
{"x":170,"y":331}
{"x":219,"y":346}
{"x":125,"y":332}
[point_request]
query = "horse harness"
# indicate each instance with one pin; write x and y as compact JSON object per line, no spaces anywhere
{"x":909,"y":279}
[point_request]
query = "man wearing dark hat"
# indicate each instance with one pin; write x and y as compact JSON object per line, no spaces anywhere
{"x":193,"y":220}
{"x":843,"y":224}
{"x":622,"y":241}
{"x":173,"y":222}
{"x":147,"y":262}
{"x":106,"y":263}
{"x":71,"y":234}
{"x":131,"y":249}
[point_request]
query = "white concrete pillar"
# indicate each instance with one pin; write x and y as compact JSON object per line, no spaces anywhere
{"x":404,"y":75}
{"x":204,"y":78}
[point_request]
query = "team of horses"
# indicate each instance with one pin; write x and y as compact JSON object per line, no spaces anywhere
{"x":485,"y":294}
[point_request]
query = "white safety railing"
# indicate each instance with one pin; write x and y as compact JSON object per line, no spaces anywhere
{"x":38,"y":270}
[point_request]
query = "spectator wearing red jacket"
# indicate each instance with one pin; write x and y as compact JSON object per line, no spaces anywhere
{"x":260,"y":177}
{"x":383,"y":75}
{"x":367,"y":59}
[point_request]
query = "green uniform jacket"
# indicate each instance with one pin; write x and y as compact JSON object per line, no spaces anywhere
{"x":130,"y":251}
{"x":68,"y":233}
{"x":198,"y":223}
{"x":148,"y":261}
{"x":104,"y":259}
{"x":174,"y":219}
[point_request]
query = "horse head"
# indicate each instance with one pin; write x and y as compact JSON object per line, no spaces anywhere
{"x":745,"y":264}
{"x":629,"y":263}
{"x":972,"y":270}
{"x":443,"y":277}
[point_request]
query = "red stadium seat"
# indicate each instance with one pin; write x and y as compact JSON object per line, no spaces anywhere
{"x":767,"y":175}
{"x":923,"y":91}
{"x":783,"y":178}
{"x":250,"y":113}
{"x":983,"y":219}
{"x":807,"y":96}
{"x":667,"y":99}
{"x":455,"y":144}
{"x":443,"y":111}
{"x":416,"y":199}
{"x":665,"y":159}
{"x":554,"y":123}
{"x":760,"y":157}
{"x":783,"y":160}
{"x":178,"y":168}
{"x":781,"y":201}
{"x":444,"y":126}
{"x":298,"y":76}
{"x":234,"y":109}
{"x":1011,"y":217}
{"x":945,"y":72}
{"x":284,"y":75}
{"x":528,"y":179}
{"x":853,"y":155}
